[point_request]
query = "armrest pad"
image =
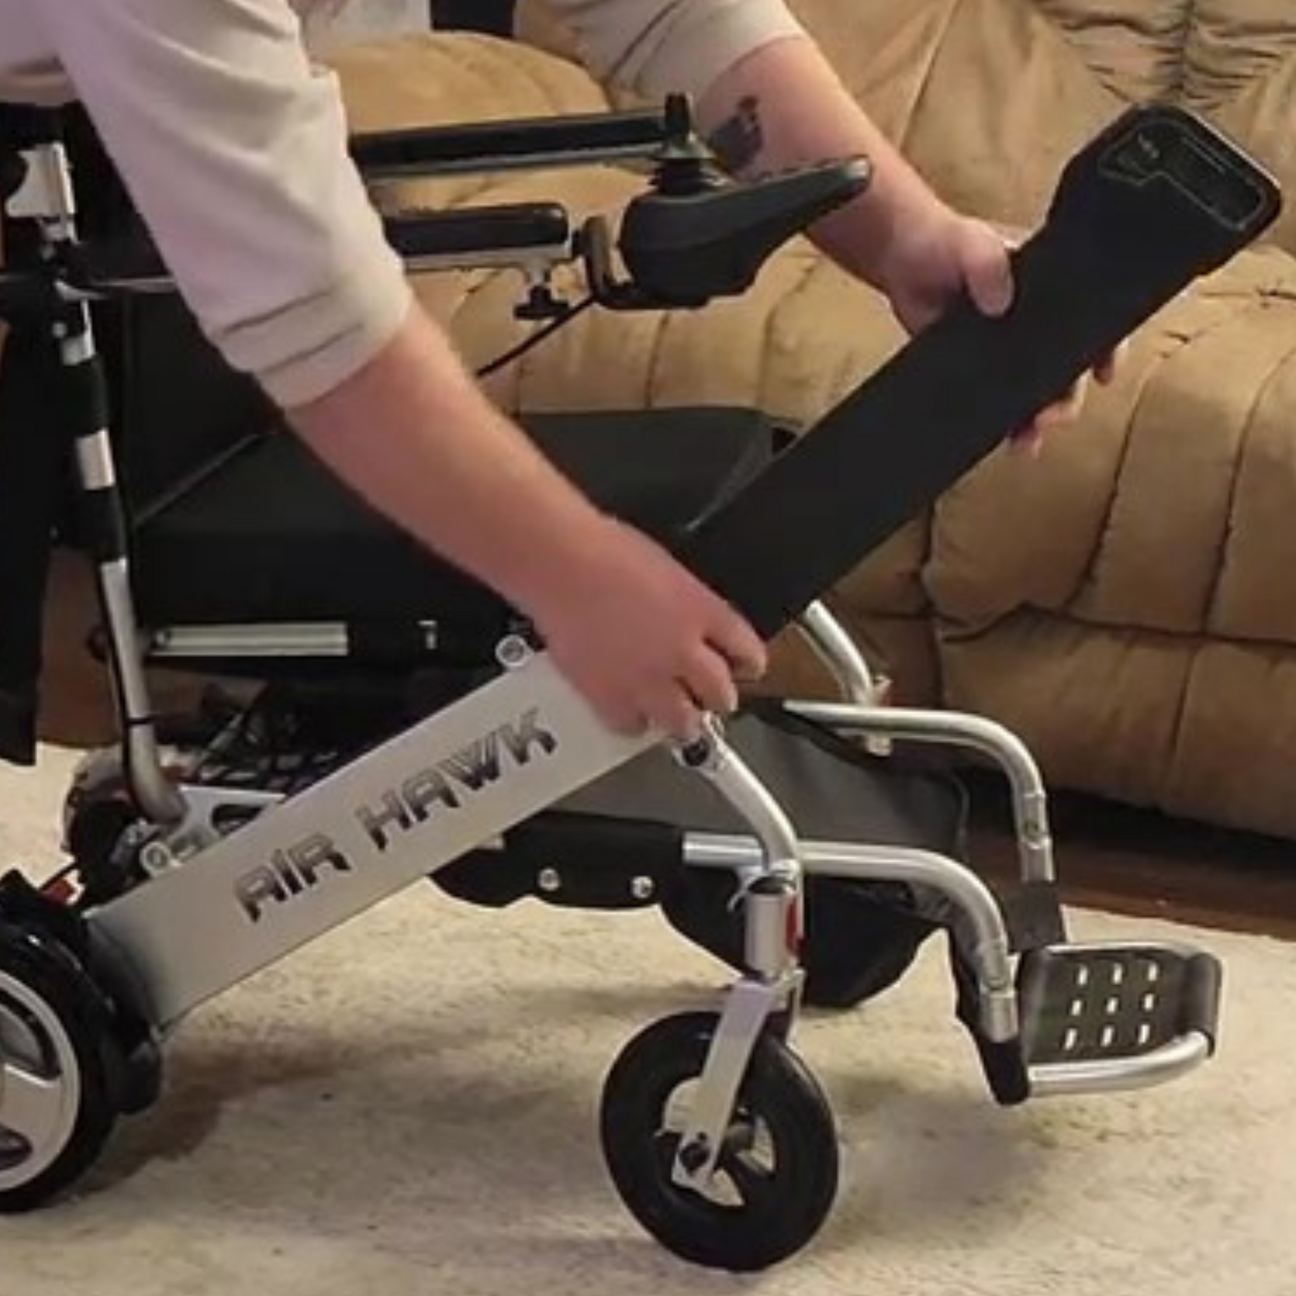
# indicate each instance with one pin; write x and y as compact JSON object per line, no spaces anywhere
{"x":416,"y":232}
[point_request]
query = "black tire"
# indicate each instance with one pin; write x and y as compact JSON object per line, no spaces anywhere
{"x":47,"y":998}
{"x":780,"y":1210}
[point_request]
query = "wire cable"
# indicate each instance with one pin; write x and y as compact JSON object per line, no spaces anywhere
{"x":540,"y":335}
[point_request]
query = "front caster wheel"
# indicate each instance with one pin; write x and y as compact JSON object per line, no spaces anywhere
{"x":57,"y":1071}
{"x":776,"y":1178}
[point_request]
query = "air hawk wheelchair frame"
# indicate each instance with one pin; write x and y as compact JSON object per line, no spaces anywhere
{"x":188,"y":882}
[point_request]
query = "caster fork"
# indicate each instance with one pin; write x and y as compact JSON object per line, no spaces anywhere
{"x":767,"y":996}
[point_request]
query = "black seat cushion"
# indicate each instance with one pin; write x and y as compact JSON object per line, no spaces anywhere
{"x":270,"y":535}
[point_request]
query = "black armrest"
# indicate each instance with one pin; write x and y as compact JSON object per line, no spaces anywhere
{"x":571,"y":140}
{"x":478,"y":230}
{"x":126,"y":264}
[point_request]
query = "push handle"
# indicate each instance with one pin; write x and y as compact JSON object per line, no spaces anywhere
{"x":1156,"y":200}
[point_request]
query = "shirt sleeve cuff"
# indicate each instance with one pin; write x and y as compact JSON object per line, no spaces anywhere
{"x":687,"y":44}
{"x":303,"y":353}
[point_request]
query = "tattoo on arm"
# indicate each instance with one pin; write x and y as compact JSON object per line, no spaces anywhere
{"x":739,"y":141}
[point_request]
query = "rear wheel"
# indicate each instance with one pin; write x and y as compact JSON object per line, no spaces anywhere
{"x":58,"y":1071}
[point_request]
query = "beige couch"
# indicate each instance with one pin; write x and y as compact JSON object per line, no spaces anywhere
{"x":1123,"y":603}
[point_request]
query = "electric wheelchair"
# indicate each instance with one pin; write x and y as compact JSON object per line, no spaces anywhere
{"x":401,"y":724}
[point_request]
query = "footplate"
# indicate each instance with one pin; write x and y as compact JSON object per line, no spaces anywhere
{"x":1100,"y":1018}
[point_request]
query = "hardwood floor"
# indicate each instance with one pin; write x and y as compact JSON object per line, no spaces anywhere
{"x":1131,"y":861}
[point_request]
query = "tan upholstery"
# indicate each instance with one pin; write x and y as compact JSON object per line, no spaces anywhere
{"x":1123,"y":603}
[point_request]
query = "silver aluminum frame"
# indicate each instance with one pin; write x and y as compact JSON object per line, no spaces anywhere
{"x":48,"y":197}
{"x":192,"y":931}
{"x":312,"y":639}
{"x":971,"y":733}
{"x":218,"y":909}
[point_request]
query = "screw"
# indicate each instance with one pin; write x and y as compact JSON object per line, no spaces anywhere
{"x":155,"y":857}
{"x":693,"y":1156}
{"x":694,"y":755}
{"x":641,"y":888}
{"x":513,"y":652}
{"x":550,"y":880}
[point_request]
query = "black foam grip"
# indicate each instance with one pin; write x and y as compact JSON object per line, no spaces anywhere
{"x":88,"y":407}
{"x":1118,"y":244}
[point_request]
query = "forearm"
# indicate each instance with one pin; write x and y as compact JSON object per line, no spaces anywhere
{"x":414,"y":435}
{"x":783,"y":106}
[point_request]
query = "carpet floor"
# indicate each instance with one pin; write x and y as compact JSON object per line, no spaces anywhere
{"x":409,"y":1107}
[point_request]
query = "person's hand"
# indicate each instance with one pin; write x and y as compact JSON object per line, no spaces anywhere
{"x":647,"y":644}
{"x":929,"y":264}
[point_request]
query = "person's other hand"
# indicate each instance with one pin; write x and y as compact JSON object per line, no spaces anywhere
{"x":928,"y":265}
{"x":646,"y":643}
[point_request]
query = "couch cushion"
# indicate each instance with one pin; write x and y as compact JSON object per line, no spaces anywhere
{"x":1125,"y":603}
{"x":1135,"y":47}
{"x":1192,"y":726}
{"x":1231,"y":45}
{"x":422,"y":77}
{"x":1261,"y":115}
{"x":438,"y":78}
{"x":1234,"y":60}
{"x":1168,"y":509}
{"x":987,"y":98}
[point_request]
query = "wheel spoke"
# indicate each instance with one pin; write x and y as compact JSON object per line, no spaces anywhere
{"x":29,"y":1105}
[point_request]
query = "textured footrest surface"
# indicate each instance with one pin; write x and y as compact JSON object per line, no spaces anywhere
{"x":1116,"y":1016}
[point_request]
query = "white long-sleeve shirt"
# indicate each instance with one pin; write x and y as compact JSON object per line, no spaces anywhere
{"x":233,"y":144}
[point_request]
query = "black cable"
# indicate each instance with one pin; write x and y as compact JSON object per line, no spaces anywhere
{"x":536,"y":338}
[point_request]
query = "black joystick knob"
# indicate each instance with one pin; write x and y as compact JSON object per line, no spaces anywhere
{"x":684,"y":165}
